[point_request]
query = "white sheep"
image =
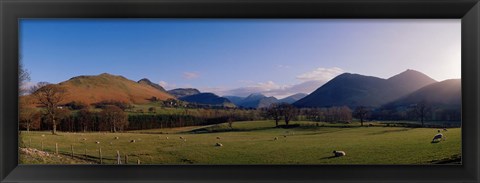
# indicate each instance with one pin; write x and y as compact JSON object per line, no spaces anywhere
{"x":97,"y":142}
{"x":276,"y":138}
{"x":339,"y":153}
{"x":132,"y":141}
{"x":444,"y":129}
{"x":116,"y":138}
{"x":84,"y":139}
{"x":166,"y":138}
{"x":181,"y":137}
{"x":43,"y":135}
{"x":219,"y":144}
{"x":218,"y":138}
{"x":438,"y":137}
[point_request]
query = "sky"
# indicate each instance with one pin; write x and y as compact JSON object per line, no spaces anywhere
{"x":276,"y":57}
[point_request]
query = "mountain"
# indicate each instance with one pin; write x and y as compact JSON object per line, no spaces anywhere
{"x":408,"y":81}
{"x":234,"y":99}
{"x":209,"y":99}
{"x":293,"y":98}
{"x":148,"y":82}
{"x":183,"y":92}
{"x":445,"y":94}
{"x":257,"y":100}
{"x":354,"y":90}
{"x":92,"y":89}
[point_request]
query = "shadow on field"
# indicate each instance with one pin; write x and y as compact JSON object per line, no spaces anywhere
{"x":390,"y":131}
{"x":329,"y":157}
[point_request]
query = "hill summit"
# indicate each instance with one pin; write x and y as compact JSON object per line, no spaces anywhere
{"x":354,"y":90}
{"x":96,"y":88}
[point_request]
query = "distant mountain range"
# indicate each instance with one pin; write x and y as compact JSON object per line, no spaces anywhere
{"x":183,"y":92}
{"x":354,"y":90}
{"x":445,"y":95}
{"x":207,"y":98}
{"x":258,"y":100}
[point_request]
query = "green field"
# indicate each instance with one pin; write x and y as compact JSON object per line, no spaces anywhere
{"x":254,"y":143}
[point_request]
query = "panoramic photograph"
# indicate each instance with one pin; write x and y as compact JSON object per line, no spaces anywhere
{"x":240,"y":92}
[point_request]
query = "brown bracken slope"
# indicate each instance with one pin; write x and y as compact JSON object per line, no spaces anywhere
{"x":92,"y":89}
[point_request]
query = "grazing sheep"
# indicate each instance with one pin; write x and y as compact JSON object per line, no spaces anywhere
{"x":438,"y":137}
{"x":181,"y":137}
{"x":97,"y":142}
{"x":166,"y":138}
{"x":218,"y":138}
{"x":132,"y":141}
{"x":219,"y":144}
{"x":184,"y":140}
{"x":116,"y":138}
{"x":276,"y":138}
{"x":339,"y":153}
{"x":84,"y":139}
{"x":43,"y":135}
{"x":444,"y":129}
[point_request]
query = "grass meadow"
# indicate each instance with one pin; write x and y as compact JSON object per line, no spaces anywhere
{"x":253,"y":142}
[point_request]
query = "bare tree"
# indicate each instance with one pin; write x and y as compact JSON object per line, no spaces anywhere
{"x":37,"y":86}
{"x":23,"y":78}
{"x":422,"y":109}
{"x":288,"y":111}
{"x":50,"y":97}
{"x":361,"y":112}
{"x":275,"y":113}
{"x":30,"y":118}
{"x":114,"y":117}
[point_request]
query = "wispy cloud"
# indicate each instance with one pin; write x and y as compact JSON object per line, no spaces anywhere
{"x":283,"y":66}
{"x":166,"y":85}
{"x":190,"y":75}
{"x":321,"y":74}
{"x":308,"y":82}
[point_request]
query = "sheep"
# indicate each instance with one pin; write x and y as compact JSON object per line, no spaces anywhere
{"x":218,"y":138}
{"x":97,"y":142}
{"x":84,"y":139}
{"x":166,"y":138}
{"x":116,"y":138}
{"x":132,"y":141}
{"x":445,"y":129}
{"x":184,"y":140}
{"x":438,"y":137}
{"x":276,"y":138}
{"x":181,"y":137}
{"x":339,"y":153}
{"x":219,"y":144}
{"x":43,"y":135}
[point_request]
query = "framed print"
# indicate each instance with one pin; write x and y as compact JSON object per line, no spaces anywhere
{"x":344,"y":91}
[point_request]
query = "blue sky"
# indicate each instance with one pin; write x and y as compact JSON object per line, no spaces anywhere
{"x":238,"y":56}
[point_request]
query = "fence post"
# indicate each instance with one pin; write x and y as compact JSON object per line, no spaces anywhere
{"x":72,"y":149}
{"x":56,"y":148}
{"x":100,"y":155}
{"x":138,"y":161}
{"x":126,"y":159}
{"x":119,"y":161}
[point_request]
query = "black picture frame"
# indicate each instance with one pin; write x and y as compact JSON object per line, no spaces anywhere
{"x":466,"y":10}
